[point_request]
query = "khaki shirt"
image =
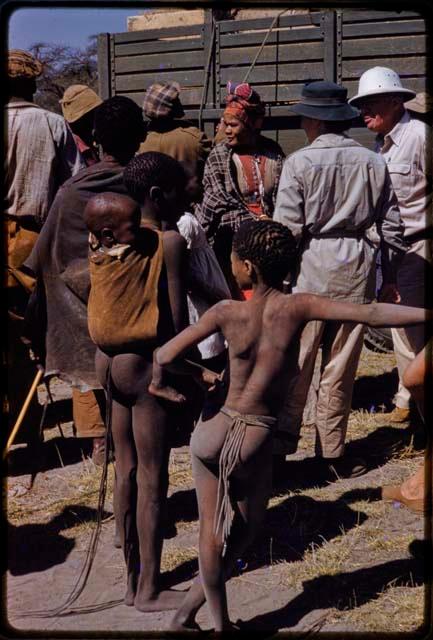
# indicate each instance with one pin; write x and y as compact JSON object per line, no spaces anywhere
{"x":404,"y":149}
{"x":40,"y":155}
{"x":181,"y":141}
{"x":337,"y":199}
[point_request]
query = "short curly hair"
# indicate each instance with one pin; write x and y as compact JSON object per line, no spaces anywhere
{"x":118,"y":124}
{"x":270,"y":246}
{"x":153,"y":169}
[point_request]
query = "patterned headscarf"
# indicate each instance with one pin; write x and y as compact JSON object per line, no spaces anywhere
{"x":21,"y":64}
{"x":244,"y":104}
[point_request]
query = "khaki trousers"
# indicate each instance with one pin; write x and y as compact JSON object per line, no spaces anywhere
{"x":87,"y":410}
{"x":341,"y":347}
{"x":404,"y":356}
{"x":414,"y":281}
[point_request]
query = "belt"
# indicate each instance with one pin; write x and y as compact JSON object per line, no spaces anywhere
{"x":423,"y":234}
{"x":360,"y":233}
{"x":229,"y":459}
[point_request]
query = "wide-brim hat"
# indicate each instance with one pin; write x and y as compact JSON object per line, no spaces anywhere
{"x":21,"y":64}
{"x":324,"y":100}
{"x":422,"y":103}
{"x":78,"y":100}
{"x":380,"y":81}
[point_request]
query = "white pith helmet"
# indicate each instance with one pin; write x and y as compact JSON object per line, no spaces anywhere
{"x":380,"y":80}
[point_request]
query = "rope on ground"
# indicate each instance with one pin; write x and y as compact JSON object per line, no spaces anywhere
{"x":91,"y":551}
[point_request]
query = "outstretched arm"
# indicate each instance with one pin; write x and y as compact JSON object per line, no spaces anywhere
{"x":376,"y":314}
{"x":171,"y":352}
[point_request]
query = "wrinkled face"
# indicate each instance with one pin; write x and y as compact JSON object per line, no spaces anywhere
{"x":381,"y":113}
{"x":240,"y":271}
{"x":237,"y":133}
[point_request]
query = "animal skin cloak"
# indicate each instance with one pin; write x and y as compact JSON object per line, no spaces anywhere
{"x":60,"y":261}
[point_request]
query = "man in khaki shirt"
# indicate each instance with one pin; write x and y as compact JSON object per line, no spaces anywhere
{"x":169,"y":133}
{"x":337,"y":199}
{"x":402,"y":141}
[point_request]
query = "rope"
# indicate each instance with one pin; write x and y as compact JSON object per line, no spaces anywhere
{"x":230,"y":458}
{"x":91,"y":551}
{"x":274,"y":22}
{"x":206,"y":78}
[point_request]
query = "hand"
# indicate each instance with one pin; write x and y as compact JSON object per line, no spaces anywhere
{"x":389,"y":293}
{"x":208,"y":380}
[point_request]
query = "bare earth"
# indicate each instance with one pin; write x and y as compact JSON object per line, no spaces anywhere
{"x":331,"y":556}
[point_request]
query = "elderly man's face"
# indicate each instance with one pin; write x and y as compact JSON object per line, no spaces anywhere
{"x":381,"y":113}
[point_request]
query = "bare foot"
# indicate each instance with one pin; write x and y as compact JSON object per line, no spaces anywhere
{"x":168,"y":393}
{"x":162,"y":601}
{"x":131,"y":589}
{"x":181,"y":623}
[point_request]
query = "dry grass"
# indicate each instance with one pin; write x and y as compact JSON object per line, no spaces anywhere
{"x":173,"y":557}
{"x":372,"y":540}
{"x":403,"y":607}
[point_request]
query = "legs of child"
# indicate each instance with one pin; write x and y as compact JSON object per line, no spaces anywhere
{"x":250,"y":498}
{"x":140,"y":424}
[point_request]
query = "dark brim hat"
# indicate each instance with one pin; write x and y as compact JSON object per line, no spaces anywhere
{"x":324,"y":100}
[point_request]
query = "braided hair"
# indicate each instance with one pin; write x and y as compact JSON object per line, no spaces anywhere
{"x":153,"y":169}
{"x":270,"y":246}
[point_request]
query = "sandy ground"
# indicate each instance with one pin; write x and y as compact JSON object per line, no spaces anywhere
{"x":331,"y":556}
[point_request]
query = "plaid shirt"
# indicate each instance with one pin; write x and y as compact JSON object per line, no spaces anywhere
{"x":223,"y":208}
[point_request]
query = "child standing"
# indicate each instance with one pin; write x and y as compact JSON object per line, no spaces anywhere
{"x":137,"y":301}
{"x":232,"y":451}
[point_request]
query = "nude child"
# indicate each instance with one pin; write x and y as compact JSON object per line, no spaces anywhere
{"x":140,"y":421}
{"x":231,"y":452}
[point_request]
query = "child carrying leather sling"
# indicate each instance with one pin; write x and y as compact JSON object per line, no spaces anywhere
{"x":123,"y":303}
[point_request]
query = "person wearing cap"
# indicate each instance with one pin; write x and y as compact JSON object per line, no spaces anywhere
{"x":421,"y":107}
{"x":78,"y":107}
{"x":40,"y":154}
{"x":337,"y":199}
{"x":168,"y":132}
{"x":241,"y":175}
{"x":402,"y":141}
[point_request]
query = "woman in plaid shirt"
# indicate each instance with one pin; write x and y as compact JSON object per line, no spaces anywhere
{"x":241,"y":175}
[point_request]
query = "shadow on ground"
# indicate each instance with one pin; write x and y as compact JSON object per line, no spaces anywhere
{"x":345,"y":591}
{"x":376,"y":448}
{"x":52,"y":454}
{"x":291,"y":527}
{"x":37,"y":547}
{"x":375,"y":392}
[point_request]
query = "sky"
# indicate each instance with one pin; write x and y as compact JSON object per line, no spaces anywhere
{"x":70,"y":27}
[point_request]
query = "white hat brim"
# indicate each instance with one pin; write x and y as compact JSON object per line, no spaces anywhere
{"x":375,"y":92}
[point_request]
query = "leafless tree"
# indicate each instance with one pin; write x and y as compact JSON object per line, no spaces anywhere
{"x":63,"y":66}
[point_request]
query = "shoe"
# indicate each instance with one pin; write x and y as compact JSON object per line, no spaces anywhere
{"x":398,"y":415}
{"x":346,"y":467}
{"x":393,"y":493}
{"x":98,"y":451}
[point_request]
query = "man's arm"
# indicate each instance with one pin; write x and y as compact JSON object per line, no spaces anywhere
{"x":289,"y":206}
{"x":176,"y":262}
{"x":377,"y":314}
{"x":390,"y":228}
{"x":171,"y":352}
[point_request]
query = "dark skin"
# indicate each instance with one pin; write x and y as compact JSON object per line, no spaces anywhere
{"x":140,"y":421}
{"x":263,"y":336}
